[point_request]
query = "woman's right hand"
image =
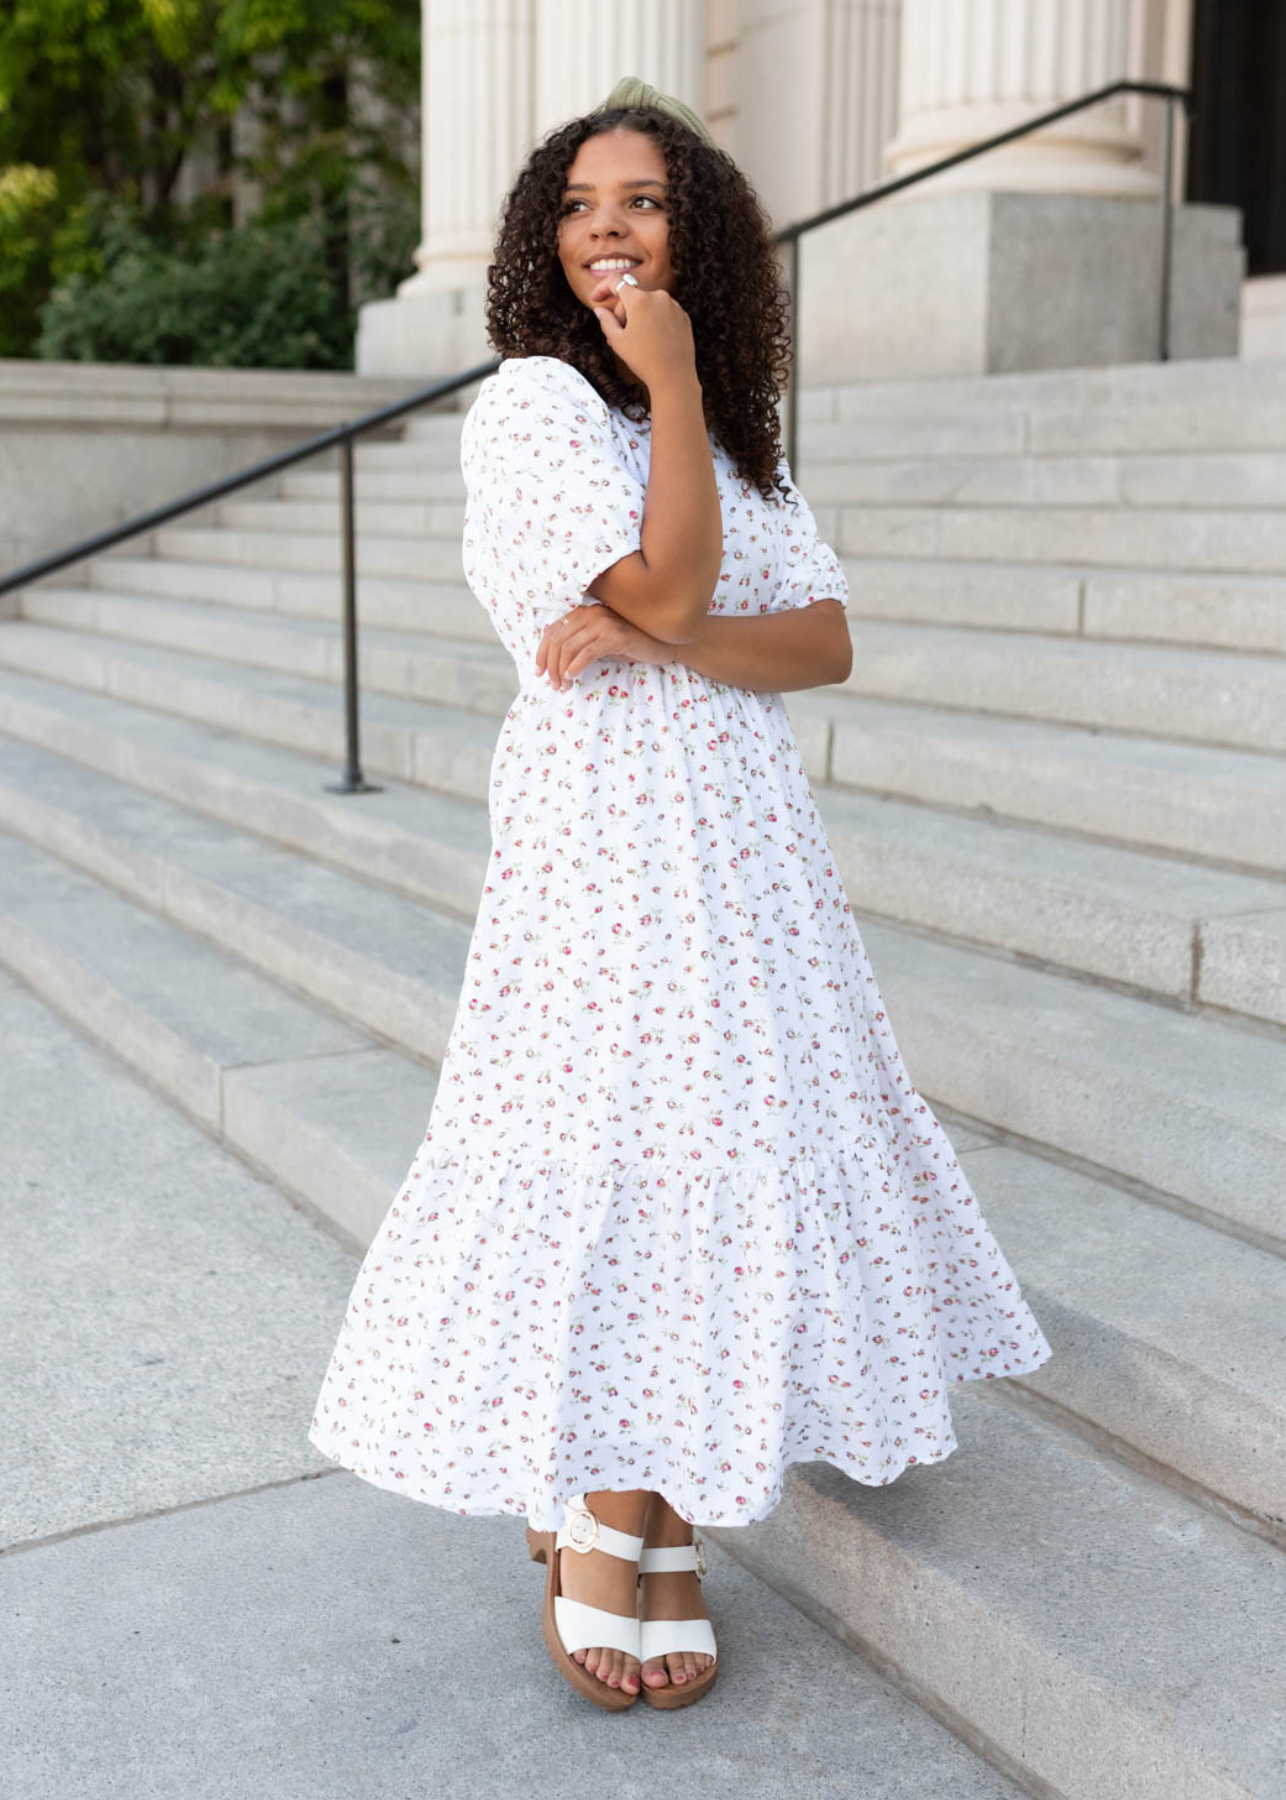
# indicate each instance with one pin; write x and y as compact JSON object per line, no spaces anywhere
{"x":647,"y":328}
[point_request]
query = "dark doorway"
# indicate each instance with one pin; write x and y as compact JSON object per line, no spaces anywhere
{"x":1237,"y":145}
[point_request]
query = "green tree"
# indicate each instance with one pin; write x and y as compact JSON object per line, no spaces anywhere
{"x":103,"y":102}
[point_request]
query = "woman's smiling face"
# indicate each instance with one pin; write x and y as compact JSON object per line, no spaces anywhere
{"x":614,"y":207}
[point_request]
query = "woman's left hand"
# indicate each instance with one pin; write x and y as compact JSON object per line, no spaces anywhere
{"x":587,"y":632}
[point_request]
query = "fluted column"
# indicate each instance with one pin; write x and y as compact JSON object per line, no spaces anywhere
{"x":971,"y":68}
{"x":476,"y":81}
{"x":583,"y":47}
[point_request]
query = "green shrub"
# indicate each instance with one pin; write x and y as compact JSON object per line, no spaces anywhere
{"x":261,"y":296}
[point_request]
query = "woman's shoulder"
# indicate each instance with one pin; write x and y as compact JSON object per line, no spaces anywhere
{"x":545,"y":374}
{"x":529,"y":400}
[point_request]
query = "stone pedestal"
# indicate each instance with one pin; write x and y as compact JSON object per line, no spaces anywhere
{"x":969,"y":283}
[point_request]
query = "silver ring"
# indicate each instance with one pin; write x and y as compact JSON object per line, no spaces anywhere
{"x":621,"y":283}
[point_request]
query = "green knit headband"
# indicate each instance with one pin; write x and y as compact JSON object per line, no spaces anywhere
{"x":631,"y":91}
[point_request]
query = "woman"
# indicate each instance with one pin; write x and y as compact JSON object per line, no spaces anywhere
{"x":679,"y":1219}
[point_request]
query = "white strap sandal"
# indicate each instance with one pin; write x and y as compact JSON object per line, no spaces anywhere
{"x":569,"y":1624}
{"x":658,"y":1637}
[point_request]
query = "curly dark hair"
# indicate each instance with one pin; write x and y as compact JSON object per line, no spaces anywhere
{"x":725,"y":264}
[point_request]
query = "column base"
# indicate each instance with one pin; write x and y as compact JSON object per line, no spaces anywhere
{"x":1263,"y":316}
{"x":984,"y":281}
{"x":424,"y":333}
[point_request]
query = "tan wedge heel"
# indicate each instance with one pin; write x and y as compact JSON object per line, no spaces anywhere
{"x":657,"y":1637}
{"x":568,"y":1624}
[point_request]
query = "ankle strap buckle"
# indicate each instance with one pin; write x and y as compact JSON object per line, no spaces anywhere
{"x":699,"y":1548}
{"x":582,"y":1528}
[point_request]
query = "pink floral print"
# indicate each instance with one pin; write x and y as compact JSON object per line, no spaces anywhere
{"x":679,"y":1218}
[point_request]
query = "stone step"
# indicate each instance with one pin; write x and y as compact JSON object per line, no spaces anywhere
{"x":391,"y":965}
{"x":1229,"y":478}
{"x":1205,"y":405}
{"x":1216,"y":805}
{"x":1225,"y":540}
{"x":440,"y":453}
{"x":431,"y":846}
{"x":1242,"y":612}
{"x":1196,"y":1389}
{"x":306,"y":1098}
{"x":1096,"y":1257}
{"x":1234,"y":479}
{"x":436,"y":746}
{"x":982,"y":1026}
{"x":1192,"y":935}
{"x":1187,"y":384}
{"x":1201,"y":696}
{"x":392,"y":518}
{"x":908,"y":1572}
{"x":1159,"y":691}
{"x":475,"y":677}
{"x":436,"y":558}
{"x":1185,"y":1105}
{"x":316,"y":485}
{"x":1212,"y":805}
{"x":1093,"y":1631}
{"x":405,"y":603}
{"x":1228,"y":612}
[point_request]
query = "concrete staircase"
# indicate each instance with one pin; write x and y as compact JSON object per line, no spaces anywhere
{"x":1056,"y":783}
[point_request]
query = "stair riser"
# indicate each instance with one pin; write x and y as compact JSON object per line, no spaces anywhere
{"x":1253,"y":542}
{"x":445,"y":609}
{"x":1216,"y":611}
{"x":1107,"y":481}
{"x":397,"y":518}
{"x":1157,"y":809}
{"x":434,"y":559}
{"x":1240,"y":712}
{"x":375,"y":485}
{"x":413,"y":1014}
{"x":1065,"y":1098}
{"x":1089,"y":1260}
{"x":1234,"y":961}
{"x":472,"y":686}
{"x":1023,"y":1705}
{"x":323,"y":827}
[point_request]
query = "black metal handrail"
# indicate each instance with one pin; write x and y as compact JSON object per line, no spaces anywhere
{"x":346,"y":434}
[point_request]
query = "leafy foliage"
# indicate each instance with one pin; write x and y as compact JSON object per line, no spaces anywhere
{"x":112,"y":111}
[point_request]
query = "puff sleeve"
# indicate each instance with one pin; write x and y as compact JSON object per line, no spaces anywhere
{"x":808,"y":568}
{"x":545,"y":484}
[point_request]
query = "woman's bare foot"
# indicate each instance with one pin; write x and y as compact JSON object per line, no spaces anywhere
{"x":671,"y":1594}
{"x":600,"y":1579}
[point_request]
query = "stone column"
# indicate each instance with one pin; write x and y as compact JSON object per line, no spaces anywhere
{"x":476,"y":80}
{"x":971,"y":68}
{"x":1043,"y":254}
{"x":583,"y":47}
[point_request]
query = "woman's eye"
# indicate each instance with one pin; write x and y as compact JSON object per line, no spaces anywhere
{"x":650,"y":198}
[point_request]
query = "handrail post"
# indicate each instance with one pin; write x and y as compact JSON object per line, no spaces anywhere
{"x":353,"y":782}
{"x":1167,"y":232}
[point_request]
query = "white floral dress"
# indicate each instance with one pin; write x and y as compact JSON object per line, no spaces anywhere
{"x":679,"y":1218}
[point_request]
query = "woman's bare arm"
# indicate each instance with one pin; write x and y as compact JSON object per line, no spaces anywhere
{"x":666,"y":586}
{"x":807,"y":646}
